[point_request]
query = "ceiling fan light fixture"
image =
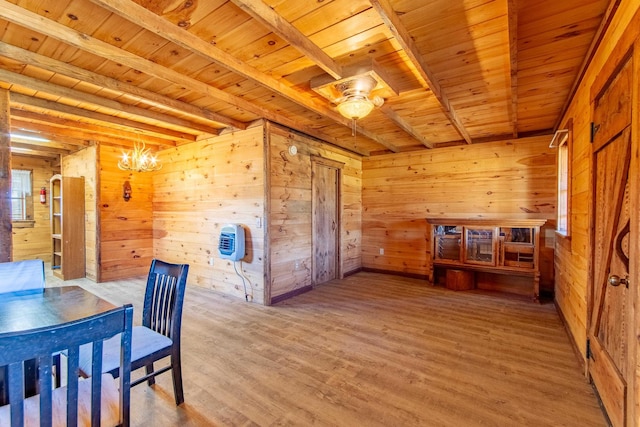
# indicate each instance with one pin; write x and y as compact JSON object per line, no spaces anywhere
{"x":356,"y":103}
{"x":355,"y":107}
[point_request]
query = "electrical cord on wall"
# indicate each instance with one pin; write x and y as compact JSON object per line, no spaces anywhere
{"x":244,"y":285}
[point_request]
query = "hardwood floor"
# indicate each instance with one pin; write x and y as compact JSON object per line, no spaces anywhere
{"x":370,"y":350}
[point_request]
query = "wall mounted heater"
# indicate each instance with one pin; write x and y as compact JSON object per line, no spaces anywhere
{"x":231,"y":242}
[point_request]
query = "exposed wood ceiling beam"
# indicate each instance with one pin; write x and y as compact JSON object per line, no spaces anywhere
{"x":37,"y":146}
{"x":57,"y":127}
{"x":33,"y":153}
{"x":512,"y":17}
{"x":404,"y":125}
{"x":82,"y":41}
{"x":390,"y":18}
{"x":156,"y":24}
{"x":114,"y":106}
{"x":80,"y":137}
{"x":42,"y":25}
{"x":45,"y":133}
{"x":128,"y":90}
{"x":259,"y":11}
{"x":24,"y":102}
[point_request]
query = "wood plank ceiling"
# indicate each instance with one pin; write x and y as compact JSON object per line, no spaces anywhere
{"x":175,"y":71}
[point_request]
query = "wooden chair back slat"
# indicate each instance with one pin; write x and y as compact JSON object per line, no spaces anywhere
{"x":163,"y":298}
{"x":43,"y":343}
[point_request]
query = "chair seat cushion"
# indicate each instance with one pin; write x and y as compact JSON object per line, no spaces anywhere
{"x":144,"y":341}
{"x":110,"y":404}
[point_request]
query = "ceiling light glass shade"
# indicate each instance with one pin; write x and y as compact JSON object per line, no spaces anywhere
{"x":139,"y":160}
{"x":355,"y":107}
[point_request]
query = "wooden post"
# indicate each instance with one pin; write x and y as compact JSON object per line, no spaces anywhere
{"x":6,"y":247}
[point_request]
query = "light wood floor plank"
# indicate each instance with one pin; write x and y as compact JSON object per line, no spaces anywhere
{"x":370,"y":350}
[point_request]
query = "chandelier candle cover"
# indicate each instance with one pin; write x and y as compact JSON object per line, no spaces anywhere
{"x":139,"y":160}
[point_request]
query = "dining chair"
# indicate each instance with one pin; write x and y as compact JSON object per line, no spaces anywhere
{"x":99,"y":400}
{"x":22,"y":276}
{"x":159,"y":335}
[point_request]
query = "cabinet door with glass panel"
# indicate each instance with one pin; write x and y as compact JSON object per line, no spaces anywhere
{"x":480,"y":245}
{"x":448,"y":243}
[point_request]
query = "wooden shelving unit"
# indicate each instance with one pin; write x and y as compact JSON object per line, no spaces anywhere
{"x":495,"y":246}
{"x":67,"y":227}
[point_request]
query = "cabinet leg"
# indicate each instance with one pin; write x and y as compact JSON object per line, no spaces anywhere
{"x":536,"y":288}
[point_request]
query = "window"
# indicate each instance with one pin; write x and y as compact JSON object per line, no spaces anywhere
{"x":21,"y":195}
{"x":564,"y":181}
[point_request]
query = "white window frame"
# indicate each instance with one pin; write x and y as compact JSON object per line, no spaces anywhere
{"x":564,"y":160}
{"x":21,"y":195}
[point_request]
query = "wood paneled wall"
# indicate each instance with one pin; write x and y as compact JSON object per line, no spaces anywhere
{"x":83,"y":164}
{"x":506,"y":179}
{"x":34,"y":243}
{"x":125,"y":229}
{"x":201,"y":187}
{"x":573,"y":254}
{"x":290,"y":210}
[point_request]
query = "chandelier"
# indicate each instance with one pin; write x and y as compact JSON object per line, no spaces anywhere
{"x":139,"y":160}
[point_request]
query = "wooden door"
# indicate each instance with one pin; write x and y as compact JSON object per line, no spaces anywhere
{"x":326,"y":219}
{"x":610,"y":315}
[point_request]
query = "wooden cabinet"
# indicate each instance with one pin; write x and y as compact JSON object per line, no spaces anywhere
{"x":496,"y":246}
{"x":67,"y":227}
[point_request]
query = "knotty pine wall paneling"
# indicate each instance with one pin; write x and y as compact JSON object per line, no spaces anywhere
{"x":34,"y":242}
{"x":504,"y":179}
{"x":573,"y":254}
{"x":290,"y":210}
{"x":84,"y":163}
{"x":201,"y":187}
{"x":125,"y":228}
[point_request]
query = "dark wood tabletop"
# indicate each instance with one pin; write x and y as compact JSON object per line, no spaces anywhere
{"x":23,"y":311}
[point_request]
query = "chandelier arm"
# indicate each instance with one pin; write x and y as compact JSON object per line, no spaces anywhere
{"x":139,"y":160}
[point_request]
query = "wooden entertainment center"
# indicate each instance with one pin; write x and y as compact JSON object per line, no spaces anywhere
{"x":462,"y":247}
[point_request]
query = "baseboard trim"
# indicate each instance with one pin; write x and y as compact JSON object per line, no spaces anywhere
{"x":352,"y":272}
{"x":290,"y":294}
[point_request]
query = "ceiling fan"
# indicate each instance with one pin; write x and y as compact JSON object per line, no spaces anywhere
{"x":355,"y":102}
{"x":355,"y":96}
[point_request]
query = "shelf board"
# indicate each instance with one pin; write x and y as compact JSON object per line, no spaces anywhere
{"x":496,"y":222}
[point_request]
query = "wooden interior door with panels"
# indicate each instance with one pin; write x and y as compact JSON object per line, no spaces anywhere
{"x":326,"y":209}
{"x":614,"y":241}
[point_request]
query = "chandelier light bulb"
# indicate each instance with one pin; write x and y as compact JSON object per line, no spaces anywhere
{"x":139,"y":160}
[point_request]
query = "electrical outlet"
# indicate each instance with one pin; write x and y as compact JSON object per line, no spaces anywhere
{"x":259,"y":222}
{"x":211,"y":260}
{"x":297,"y":266}
{"x":381,"y":251}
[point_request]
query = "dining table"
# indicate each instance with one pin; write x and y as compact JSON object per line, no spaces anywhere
{"x":25,"y":310}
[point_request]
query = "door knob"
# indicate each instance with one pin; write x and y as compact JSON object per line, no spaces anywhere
{"x":615,"y":280}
